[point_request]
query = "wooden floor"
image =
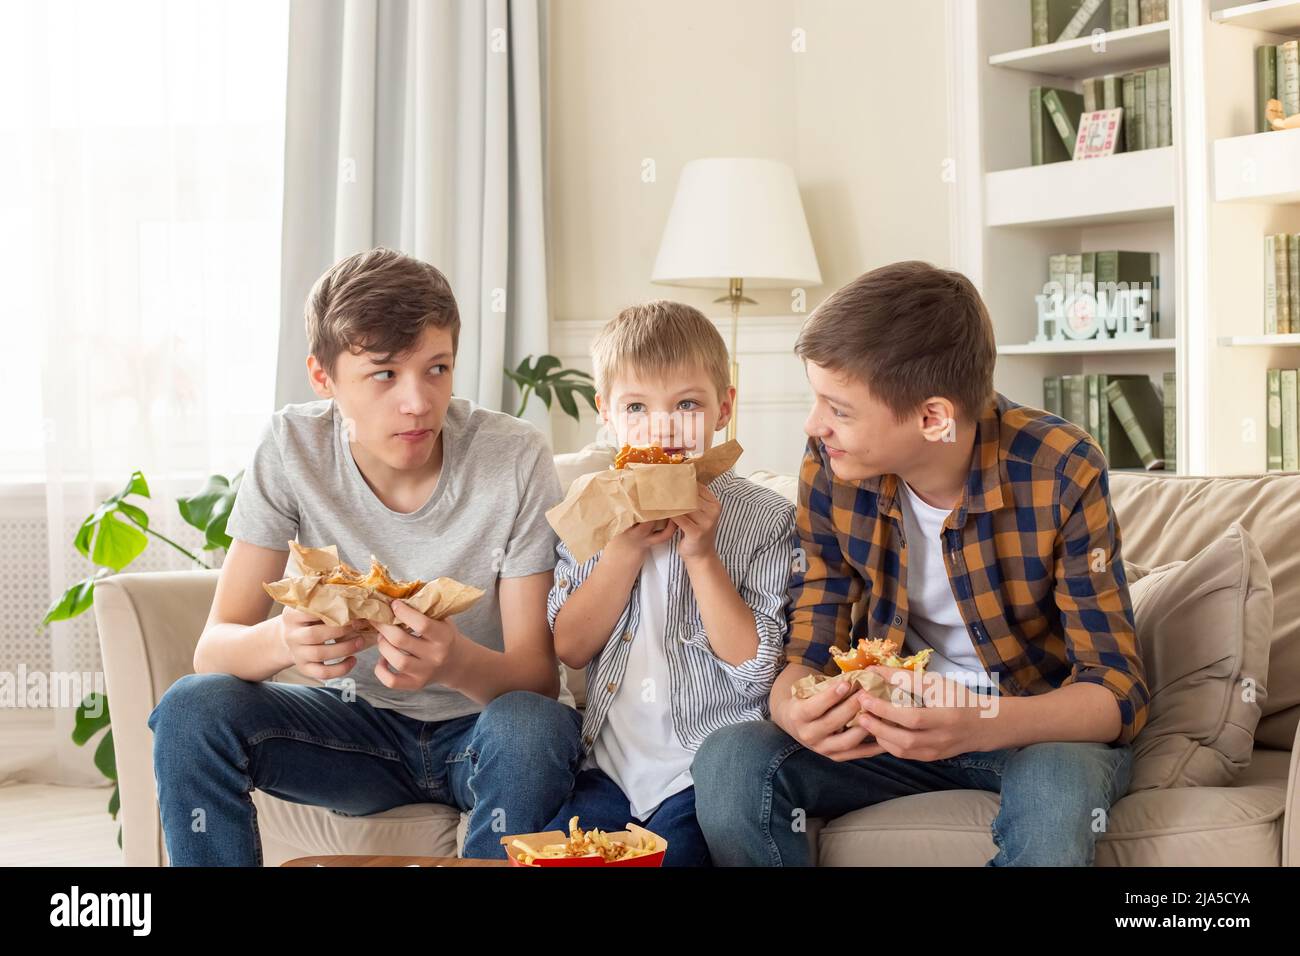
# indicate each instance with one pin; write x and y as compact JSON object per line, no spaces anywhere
{"x":43,"y":825}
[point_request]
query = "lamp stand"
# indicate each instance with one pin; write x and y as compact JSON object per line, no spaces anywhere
{"x":735,"y":296}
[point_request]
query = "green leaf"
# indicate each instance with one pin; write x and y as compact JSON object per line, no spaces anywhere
{"x":565,"y":395}
{"x":525,"y":369}
{"x":105,"y":757}
{"x":135,"y":514}
{"x":517,"y":379}
{"x":115,"y":804}
{"x":589,"y":393}
{"x":117,"y":543}
{"x":544,"y":392}
{"x":75,"y":600}
{"x":91,"y":717}
{"x":573,"y":373}
{"x":135,"y":485}
{"x":545,"y":364}
{"x":210,"y":508}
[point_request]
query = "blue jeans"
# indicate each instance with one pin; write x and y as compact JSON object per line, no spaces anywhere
{"x":218,"y":737}
{"x":753,"y":782}
{"x":598,"y":803}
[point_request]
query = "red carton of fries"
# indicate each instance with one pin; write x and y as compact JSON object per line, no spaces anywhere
{"x":635,"y":846}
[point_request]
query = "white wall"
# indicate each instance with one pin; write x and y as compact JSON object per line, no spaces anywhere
{"x":860,"y":114}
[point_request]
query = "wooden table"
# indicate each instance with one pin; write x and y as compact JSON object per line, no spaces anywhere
{"x":362,"y":860}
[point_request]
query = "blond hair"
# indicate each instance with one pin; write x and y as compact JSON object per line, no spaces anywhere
{"x":377,"y":301}
{"x":656,"y":338}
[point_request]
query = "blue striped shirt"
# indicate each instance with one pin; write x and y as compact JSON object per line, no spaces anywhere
{"x":755,"y":541}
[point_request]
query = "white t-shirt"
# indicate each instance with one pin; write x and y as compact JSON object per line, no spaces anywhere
{"x":933,"y":619}
{"x":637,"y":746}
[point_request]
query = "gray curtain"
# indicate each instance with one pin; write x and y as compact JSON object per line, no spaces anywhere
{"x":418,"y":125}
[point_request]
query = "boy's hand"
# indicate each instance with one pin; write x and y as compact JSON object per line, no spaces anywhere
{"x":305,"y":636}
{"x":935,"y":731}
{"x":632,"y":544}
{"x":818,"y":722}
{"x":700,"y":527}
{"x":412,"y":656}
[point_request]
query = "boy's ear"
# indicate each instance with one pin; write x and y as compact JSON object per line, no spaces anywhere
{"x":726,"y":406}
{"x":318,"y":378}
{"x":938,"y":419}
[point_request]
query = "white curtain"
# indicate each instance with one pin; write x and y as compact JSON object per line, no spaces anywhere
{"x":142,"y":143}
{"x":417,"y":124}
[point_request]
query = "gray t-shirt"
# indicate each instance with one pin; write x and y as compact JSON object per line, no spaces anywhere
{"x":485,"y":519}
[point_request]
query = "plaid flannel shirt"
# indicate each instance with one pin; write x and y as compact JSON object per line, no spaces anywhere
{"x":1033,"y":557}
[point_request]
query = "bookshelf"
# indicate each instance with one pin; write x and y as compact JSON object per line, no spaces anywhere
{"x":1204,"y":204}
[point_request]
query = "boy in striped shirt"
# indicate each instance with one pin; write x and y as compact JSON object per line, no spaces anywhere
{"x":681,"y":628}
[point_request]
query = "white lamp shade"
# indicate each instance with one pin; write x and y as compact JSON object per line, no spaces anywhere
{"x":737,"y":219}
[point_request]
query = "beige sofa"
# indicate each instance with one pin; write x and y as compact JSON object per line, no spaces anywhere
{"x":150,"y":623}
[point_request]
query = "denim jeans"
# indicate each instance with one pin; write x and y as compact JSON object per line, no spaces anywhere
{"x":218,"y":737}
{"x":754,"y":783}
{"x":598,"y":803}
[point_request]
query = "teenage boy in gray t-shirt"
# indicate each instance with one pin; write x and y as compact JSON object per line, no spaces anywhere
{"x":461,"y":711}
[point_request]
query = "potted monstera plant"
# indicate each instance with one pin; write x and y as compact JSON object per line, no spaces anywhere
{"x":111,"y":537}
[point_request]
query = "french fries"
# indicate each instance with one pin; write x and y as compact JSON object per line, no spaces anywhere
{"x":590,"y":843}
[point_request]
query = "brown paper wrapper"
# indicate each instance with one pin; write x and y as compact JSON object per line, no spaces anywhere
{"x":339,"y":604}
{"x":868,"y":680}
{"x":606,"y":503}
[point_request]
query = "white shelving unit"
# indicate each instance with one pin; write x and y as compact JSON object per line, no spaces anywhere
{"x":1204,"y":204}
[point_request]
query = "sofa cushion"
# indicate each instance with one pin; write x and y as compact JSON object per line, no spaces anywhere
{"x":1236,"y":825}
{"x":1204,"y":627}
{"x":1167,"y":518}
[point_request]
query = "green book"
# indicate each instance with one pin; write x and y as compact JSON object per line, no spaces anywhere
{"x":1052,"y":395}
{"x":1059,"y":15}
{"x":1288,"y":77}
{"x":1114,"y":441}
{"x":1127,"y":91}
{"x":1265,"y":84}
{"x":1074,"y":396}
{"x":1119,"y":16}
{"x":1282,"y":273}
{"x":1293,"y":280}
{"x":1111,"y":97}
{"x":1290,"y":437}
{"x":1151,"y":116}
{"x":1164,"y":120}
{"x":1139,"y":110}
{"x":1094,"y":408}
{"x":1170,"y":397}
{"x":1270,"y":285}
{"x":1091,"y":94}
{"x":1274,"y":419}
{"x":1064,"y":107}
{"x":1038,"y":22}
{"x":1088,"y":17}
{"x":1141,"y":415}
{"x":1044,"y":147}
{"x":1133,"y":269}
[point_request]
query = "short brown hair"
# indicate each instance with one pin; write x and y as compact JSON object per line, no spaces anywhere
{"x":655,"y":338}
{"x":907,"y":331}
{"x":377,"y":301}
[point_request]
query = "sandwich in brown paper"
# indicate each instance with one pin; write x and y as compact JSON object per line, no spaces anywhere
{"x":338,"y":593}
{"x":606,"y":503}
{"x":854,"y":664}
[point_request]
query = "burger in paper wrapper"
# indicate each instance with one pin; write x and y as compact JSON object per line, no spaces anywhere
{"x":645,"y":486}
{"x":338,"y":593}
{"x":853,"y":665}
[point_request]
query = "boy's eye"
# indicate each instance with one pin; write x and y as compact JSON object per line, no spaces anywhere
{"x":634,"y":407}
{"x":836,"y":412}
{"x":442,"y":369}
{"x":688,"y":404}
{"x":386,"y":371}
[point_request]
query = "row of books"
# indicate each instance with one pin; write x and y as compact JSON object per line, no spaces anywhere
{"x":1282,"y":283}
{"x":1143,"y":95}
{"x":1093,"y":271}
{"x":1052,"y":21}
{"x":1283,"y":421}
{"x":1133,"y":423}
{"x":1277,"y":77}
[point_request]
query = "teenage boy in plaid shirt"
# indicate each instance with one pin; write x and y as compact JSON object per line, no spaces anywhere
{"x":975,"y":527}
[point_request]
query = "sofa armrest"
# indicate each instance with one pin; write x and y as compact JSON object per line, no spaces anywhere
{"x":149,"y":625}
{"x":1291,"y":820}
